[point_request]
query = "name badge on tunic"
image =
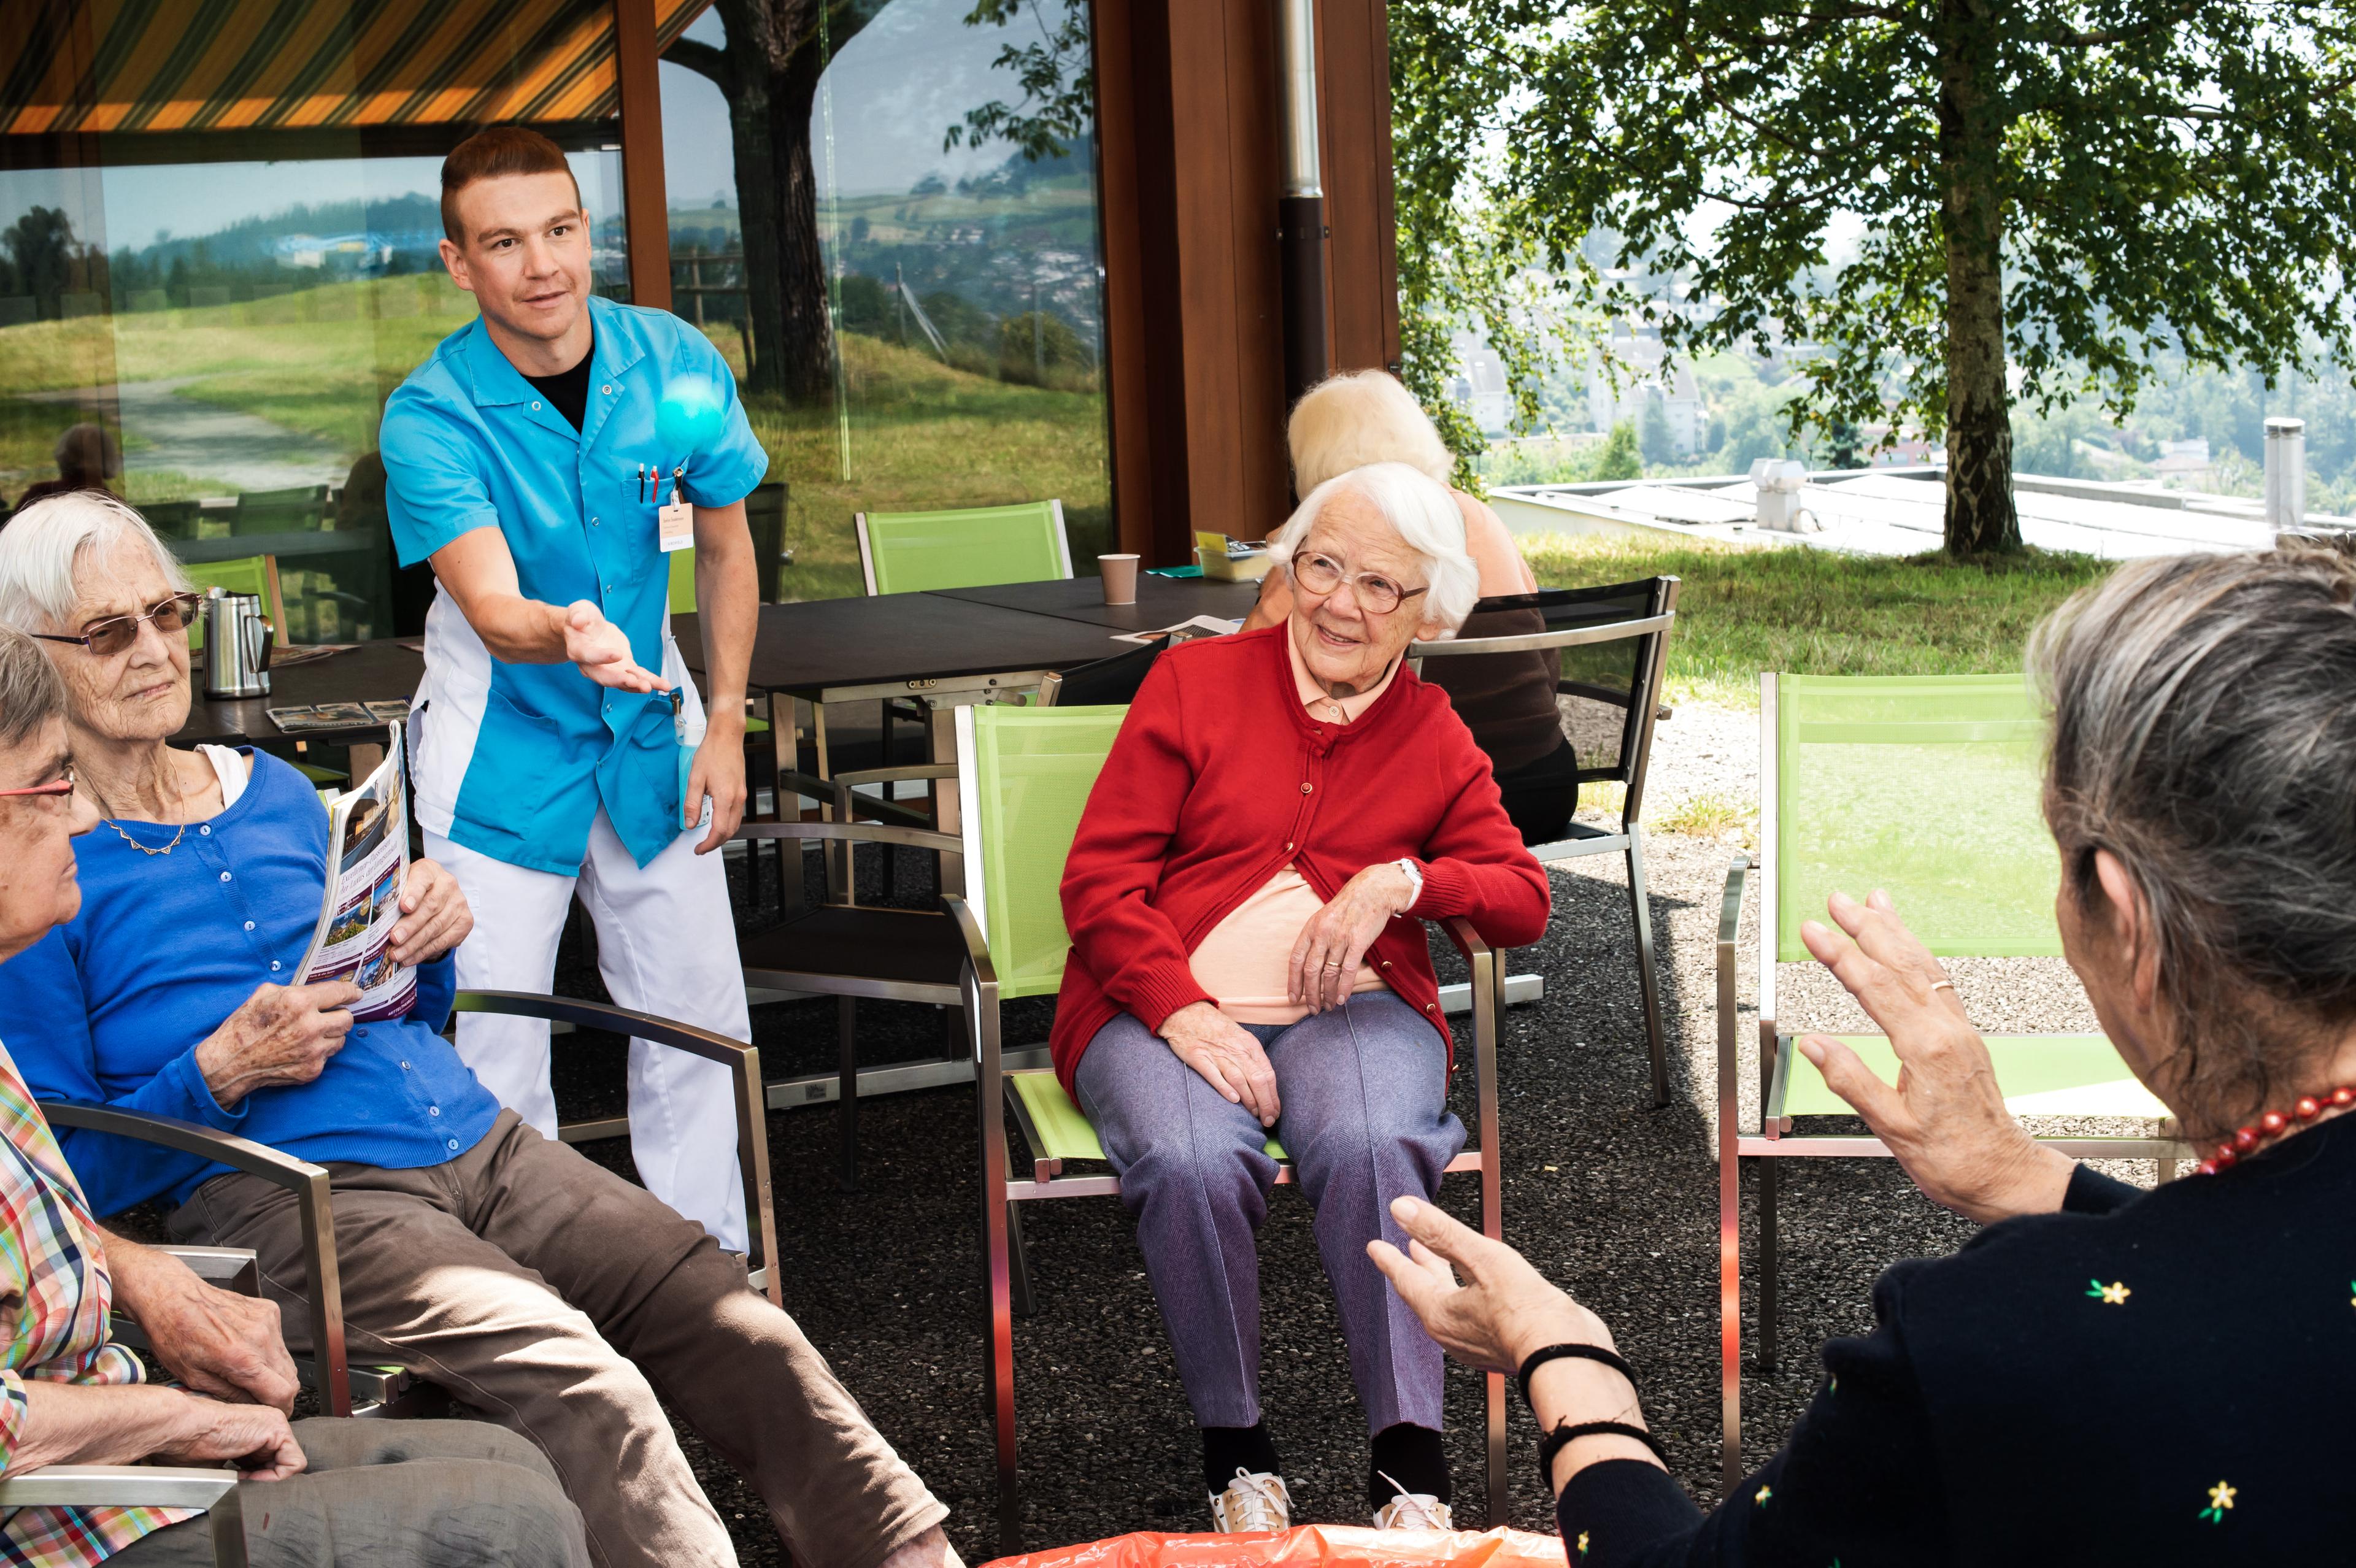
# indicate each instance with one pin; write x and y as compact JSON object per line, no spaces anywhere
{"x":675,"y":524}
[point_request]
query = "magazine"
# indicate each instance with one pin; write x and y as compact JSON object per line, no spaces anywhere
{"x":323,"y":716}
{"x":1185,"y":631}
{"x":368,"y":859}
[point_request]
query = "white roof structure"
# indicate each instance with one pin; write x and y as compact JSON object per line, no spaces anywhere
{"x":1900,"y":511}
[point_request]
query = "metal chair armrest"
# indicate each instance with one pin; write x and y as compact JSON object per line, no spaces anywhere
{"x":743,"y":1061}
{"x":1487,"y":999}
{"x":899,"y":775}
{"x":212,"y":1492}
{"x":234,"y":1269}
{"x":314,"y":1210}
{"x":853,"y":832}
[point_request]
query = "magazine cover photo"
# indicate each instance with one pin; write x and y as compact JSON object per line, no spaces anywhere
{"x":368,"y":847}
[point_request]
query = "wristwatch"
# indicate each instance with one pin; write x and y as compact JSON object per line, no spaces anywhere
{"x":1414,"y":880}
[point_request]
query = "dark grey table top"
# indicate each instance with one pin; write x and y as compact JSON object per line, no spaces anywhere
{"x":835,"y":642}
{"x":373,"y":672}
{"x":1160,"y":601}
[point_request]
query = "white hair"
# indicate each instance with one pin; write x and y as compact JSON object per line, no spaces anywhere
{"x":1348,"y":421}
{"x":1424,"y":515}
{"x":43,"y":546}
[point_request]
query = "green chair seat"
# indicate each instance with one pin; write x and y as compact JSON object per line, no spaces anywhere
{"x":2040,"y":1074}
{"x":1063,"y":1132}
{"x":320,"y":775}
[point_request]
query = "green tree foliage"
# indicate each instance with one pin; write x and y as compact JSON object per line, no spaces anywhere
{"x":2060,"y":189}
{"x":1619,"y":457}
{"x":1052,"y":65}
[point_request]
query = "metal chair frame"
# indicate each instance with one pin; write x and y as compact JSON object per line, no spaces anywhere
{"x":346,"y":1389}
{"x":1774,"y":1139}
{"x":841,"y":839}
{"x":1006,"y":1268}
{"x":213,"y":1493}
{"x":208,"y":1492}
{"x":1644,"y":712}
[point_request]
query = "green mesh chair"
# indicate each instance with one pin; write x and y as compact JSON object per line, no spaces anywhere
{"x":1024,"y":774}
{"x":1927,"y":787}
{"x":973,"y":546}
{"x":254,"y":574}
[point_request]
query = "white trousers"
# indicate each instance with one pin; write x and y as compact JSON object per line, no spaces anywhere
{"x":666,"y":945}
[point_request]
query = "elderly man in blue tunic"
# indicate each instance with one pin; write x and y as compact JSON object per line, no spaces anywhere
{"x":538,"y":1289}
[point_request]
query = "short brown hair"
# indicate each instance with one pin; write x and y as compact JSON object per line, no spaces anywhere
{"x":495,"y":154}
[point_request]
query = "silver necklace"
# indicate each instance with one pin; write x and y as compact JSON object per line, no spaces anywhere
{"x":145,"y":849}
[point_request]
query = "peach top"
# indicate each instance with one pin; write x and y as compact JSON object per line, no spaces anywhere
{"x":1245,"y":962}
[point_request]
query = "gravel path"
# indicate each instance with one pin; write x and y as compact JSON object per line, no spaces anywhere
{"x":1615,"y":1200}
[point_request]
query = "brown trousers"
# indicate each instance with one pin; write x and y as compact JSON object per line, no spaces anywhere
{"x":556,"y":1299}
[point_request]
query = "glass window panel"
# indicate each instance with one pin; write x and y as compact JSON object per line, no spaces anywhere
{"x":927,"y":268}
{"x":215,"y":280}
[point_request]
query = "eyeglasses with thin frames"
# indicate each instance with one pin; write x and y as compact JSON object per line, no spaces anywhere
{"x":112,"y":635}
{"x":1321,"y":574}
{"x":55,"y":789}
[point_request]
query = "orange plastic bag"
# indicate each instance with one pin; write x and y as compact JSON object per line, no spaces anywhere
{"x":1306,"y":1546}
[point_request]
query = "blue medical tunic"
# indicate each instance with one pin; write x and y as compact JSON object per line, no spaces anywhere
{"x":515,"y":759}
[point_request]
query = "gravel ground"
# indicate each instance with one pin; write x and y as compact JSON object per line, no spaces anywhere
{"x":1613,"y":1199}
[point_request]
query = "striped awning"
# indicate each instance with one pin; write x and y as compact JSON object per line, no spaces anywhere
{"x":184,"y":66}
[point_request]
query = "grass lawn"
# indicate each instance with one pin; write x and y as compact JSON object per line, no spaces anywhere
{"x":1810,"y":612}
{"x":913,"y":433}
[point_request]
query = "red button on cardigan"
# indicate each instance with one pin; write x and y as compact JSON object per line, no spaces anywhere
{"x":1191,"y":815}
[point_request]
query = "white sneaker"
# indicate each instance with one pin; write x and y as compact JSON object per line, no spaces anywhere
{"x":1412,"y":1510}
{"x":1255,"y":1500}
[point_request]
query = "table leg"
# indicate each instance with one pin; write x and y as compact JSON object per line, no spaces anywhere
{"x":366,"y":758}
{"x":940,"y":729}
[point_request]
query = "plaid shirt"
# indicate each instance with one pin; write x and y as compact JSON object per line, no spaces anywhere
{"x":53,"y":1296}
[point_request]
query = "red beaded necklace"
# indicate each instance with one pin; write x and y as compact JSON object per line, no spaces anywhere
{"x":2247,"y":1141}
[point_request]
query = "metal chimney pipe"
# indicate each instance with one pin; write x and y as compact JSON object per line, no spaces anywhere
{"x":1301,"y":210}
{"x":2286,"y":476}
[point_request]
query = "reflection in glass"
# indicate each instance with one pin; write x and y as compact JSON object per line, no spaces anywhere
{"x":920,"y":323}
{"x":228,"y":289}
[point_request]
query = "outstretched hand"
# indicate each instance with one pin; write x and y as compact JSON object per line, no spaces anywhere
{"x":602,"y":650}
{"x":1503,"y":1310}
{"x":1944,"y":1119}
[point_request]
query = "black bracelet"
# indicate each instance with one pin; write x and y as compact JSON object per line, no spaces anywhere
{"x":1564,"y":1435}
{"x":1579,"y":1352}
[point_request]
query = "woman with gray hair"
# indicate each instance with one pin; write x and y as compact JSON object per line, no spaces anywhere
{"x":2106,"y":1375}
{"x":1282,"y":809}
{"x":1507,"y":700}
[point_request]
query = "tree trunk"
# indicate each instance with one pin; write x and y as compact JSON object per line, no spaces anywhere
{"x":1980,"y":516}
{"x":768,"y":72}
{"x":789,"y":271}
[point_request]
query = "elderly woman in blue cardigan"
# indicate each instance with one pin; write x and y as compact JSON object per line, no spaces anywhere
{"x":531,"y":1283}
{"x":2104,"y":1375}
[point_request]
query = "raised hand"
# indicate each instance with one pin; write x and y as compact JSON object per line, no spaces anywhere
{"x":1944,"y":1119}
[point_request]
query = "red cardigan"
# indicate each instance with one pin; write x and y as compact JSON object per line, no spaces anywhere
{"x":1220,"y":776}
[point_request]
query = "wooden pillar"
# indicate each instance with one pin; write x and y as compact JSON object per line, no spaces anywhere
{"x":1354,"y":53}
{"x":646,"y":204}
{"x":1188,"y":120}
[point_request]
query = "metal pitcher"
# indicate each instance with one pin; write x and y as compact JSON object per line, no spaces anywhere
{"x":238,"y":641}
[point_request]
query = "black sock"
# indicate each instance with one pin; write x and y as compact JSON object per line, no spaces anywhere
{"x":1413,"y":1457}
{"x":1226,"y":1449}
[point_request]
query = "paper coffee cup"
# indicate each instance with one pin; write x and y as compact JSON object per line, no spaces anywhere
{"x":1120,"y":577}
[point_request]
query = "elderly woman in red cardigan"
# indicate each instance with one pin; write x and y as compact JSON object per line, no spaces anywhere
{"x":1282,"y":810}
